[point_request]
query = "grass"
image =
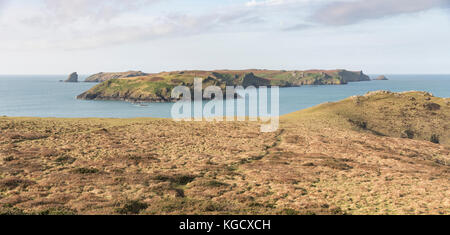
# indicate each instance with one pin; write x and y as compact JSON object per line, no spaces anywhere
{"x":321,"y":163}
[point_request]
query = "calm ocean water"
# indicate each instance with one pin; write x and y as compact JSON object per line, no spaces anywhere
{"x":45,"y":96}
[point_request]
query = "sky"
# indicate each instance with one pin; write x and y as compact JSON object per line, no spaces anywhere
{"x":87,"y":36}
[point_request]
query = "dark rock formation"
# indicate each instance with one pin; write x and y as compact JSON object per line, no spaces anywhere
{"x":72,"y":78}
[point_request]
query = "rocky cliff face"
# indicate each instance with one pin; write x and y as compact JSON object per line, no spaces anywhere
{"x":72,"y":78}
{"x":101,"y":77}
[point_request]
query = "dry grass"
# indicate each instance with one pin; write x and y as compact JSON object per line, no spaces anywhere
{"x":318,"y":163}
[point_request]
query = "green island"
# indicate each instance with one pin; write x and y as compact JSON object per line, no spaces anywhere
{"x":141,"y":87}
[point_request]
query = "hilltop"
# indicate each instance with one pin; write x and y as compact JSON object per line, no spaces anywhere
{"x":158,"y":87}
{"x":101,"y":77}
{"x":346,"y":157}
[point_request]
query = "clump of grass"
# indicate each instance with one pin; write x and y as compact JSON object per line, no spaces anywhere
{"x":12,"y":183}
{"x":408,"y":134}
{"x":359,"y":123}
{"x":9,"y":159}
{"x":289,"y":211}
{"x":210,"y":206}
{"x":435,"y":139}
{"x":215,"y":183}
{"x":176,"y":179}
{"x":182,"y":179}
{"x":432,"y":106}
{"x":11,"y":211}
{"x":64,"y":160}
{"x":56,"y":211}
{"x":133,"y":207}
{"x":337,"y":211}
{"x":86,"y":171}
{"x":337,"y":164}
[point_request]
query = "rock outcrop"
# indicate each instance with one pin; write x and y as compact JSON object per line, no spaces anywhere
{"x":101,"y":77}
{"x":381,"y":78}
{"x":73,"y":77}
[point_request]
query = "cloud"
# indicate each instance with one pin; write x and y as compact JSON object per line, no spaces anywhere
{"x":84,"y":24}
{"x":265,"y":3}
{"x":300,"y":26}
{"x":268,"y":3}
{"x":97,"y":10}
{"x":344,"y":13}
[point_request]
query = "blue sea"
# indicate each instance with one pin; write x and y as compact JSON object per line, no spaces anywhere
{"x":45,"y":96}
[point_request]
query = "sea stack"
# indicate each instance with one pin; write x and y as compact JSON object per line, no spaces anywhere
{"x":382,"y":78}
{"x":72,"y":77}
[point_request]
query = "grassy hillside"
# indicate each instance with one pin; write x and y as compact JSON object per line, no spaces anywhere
{"x":158,"y":87}
{"x":413,"y":115}
{"x":337,"y":158}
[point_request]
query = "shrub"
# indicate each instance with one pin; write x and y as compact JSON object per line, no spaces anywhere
{"x":8,"y":159}
{"x":408,"y":134}
{"x":86,"y":171}
{"x":12,"y":183}
{"x":132,"y":208}
{"x":215,"y":183}
{"x":358,"y":123}
{"x":435,"y":139}
{"x":289,"y":211}
{"x":176,"y":179}
{"x":56,"y":211}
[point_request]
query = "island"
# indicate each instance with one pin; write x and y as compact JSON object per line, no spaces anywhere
{"x":143,"y":87}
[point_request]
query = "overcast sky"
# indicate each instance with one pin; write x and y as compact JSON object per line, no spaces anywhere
{"x":89,"y":36}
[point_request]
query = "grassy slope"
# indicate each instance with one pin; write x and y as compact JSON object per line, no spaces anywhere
{"x":318,"y":163}
{"x":414,"y":115}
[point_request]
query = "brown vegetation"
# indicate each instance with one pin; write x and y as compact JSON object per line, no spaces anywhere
{"x":319,"y":162}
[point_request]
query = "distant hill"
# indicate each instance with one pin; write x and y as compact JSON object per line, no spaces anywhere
{"x":138,"y":86}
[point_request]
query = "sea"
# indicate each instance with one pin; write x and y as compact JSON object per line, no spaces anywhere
{"x":46,"y":96}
